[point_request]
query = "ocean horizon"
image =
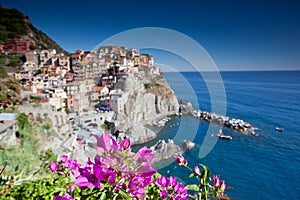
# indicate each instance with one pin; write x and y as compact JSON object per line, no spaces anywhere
{"x":265,"y":166}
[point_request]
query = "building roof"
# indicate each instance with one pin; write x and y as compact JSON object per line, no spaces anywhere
{"x":75,"y":55}
{"x":64,"y":56}
{"x":6,"y":124}
{"x":98,"y":88}
{"x":7,"y":116}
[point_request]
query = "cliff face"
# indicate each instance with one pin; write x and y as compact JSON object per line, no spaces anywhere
{"x":147,"y":101}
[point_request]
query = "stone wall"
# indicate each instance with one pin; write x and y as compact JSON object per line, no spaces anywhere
{"x":44,"y":114}
{"x":8,"y":131}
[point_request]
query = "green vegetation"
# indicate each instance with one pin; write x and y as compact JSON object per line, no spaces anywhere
{"x":23,"y":160}
{"x":45,"y":188}
{"x":96,"y":180}
{"x":159,"y":77}
{"x":13,"y":24}
{"x":9,"y":91}
{"x":36,"y":98}
{"x":3,"y":73}
{"x":147,"y":85}
{"x":12,"y":59}
{"x":68,"y":111}
{"x":105,"y":126}
{"x":46,"y":128}
{"x":23,"y":121}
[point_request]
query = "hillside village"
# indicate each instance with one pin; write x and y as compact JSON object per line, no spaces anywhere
{"x":70,"y":97}
{"x":88,"y":92}
{"x":73,"y":83}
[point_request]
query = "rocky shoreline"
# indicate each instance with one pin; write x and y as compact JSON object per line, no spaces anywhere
{"x":233,"y":123}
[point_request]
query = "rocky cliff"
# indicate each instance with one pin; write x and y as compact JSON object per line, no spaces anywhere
{"x":148,"y":99}
{"x":147,"y":102}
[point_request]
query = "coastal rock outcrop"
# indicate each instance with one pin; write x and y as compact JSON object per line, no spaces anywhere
{"x":164,"y":150}
{"x":146,"y":101}
{"x":136,"y":133}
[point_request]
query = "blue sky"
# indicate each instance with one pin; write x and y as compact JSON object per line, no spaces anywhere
{"x":238,"y":35}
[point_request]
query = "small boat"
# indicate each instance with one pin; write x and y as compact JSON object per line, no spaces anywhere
{"x":279,"y":129}
{"x":188,"y":144}
{"x":222,"y":136}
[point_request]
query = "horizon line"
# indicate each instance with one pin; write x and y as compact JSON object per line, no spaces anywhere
{"x":236,"y":70}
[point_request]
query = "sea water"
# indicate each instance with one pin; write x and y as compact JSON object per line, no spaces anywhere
{"x":266,"y":166}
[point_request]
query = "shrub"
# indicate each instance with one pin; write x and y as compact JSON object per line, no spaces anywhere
{"x":115,"y":173}
{"x":147,"y":85}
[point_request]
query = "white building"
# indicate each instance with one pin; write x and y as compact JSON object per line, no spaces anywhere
{"x":117,"y":100}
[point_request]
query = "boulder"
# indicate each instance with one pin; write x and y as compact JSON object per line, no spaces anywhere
{"x":164,"y":150}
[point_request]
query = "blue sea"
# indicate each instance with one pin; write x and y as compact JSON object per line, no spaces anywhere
{"x":265,"y":166}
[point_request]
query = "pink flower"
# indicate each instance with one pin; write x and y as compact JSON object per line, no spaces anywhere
{"x":177,"y":190}
{"x":53,"y":166}
{"x":162,"y":182}
{"x":85,"y":182}
{"x":180,"y":160}
{"x":197,"y":171}
{"x":172,"y":181}
{"x":108,"y":175}
{"x":136,"y":187}
{"x":68,"y":163}
{"x":71,"y":187}
{"x":125,"y":144}
{"x":64,"y":158}
{"x":146,"y":170}
{"x":103,"y":142}
{"x":74,"y":164}
{"x":65,"y":197}
{"x":121,"y":186}
{"x":222,"y":186}
{"x":163,"y":194}
{"x":144,"y":155}
{"x":216,"y":181}
{"x":181,"y":191}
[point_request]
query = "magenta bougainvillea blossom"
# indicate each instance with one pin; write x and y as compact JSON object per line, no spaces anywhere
{"x":53,"y":166}
{"x":180,"y":160}
{"x":119,"y":171}
{"x":171,"y":189}
{"x":65,"y":197}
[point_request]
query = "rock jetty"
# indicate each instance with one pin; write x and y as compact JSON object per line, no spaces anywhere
{"x":233,"y":123}
{"x":236,"y":124}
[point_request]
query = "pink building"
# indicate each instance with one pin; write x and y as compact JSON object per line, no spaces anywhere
{"x":25,"y":75}
{"x":78,"y":102}
{"x":16,"y":45}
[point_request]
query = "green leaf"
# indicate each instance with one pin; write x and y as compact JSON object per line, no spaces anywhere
{"x":191,"y":175}
{"x":206,"y":172}
{"x":157,"y":175}
{"x":103,"y":196}
{"x":123,"y":194}
{"x":193,"y":187}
